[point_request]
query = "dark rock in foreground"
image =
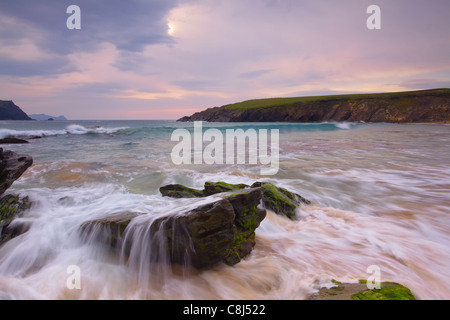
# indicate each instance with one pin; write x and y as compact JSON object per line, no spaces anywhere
{"x":12,"y":166}
{"x":276,"y":199}
{"x":218,"y":232}
{"x":12,"y":206}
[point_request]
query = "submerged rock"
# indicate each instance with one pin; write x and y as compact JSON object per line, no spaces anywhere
{"x":12,"y":141}
{"x":221,"y":231}
{"x":360,"y":291}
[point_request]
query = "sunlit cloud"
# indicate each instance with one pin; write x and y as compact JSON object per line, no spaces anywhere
{"x":176,"y":57}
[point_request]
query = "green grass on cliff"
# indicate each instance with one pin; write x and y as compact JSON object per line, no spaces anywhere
{"x":274,"y":102}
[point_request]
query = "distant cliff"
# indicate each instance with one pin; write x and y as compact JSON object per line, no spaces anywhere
{"x":400,"y":107}
{"x":9,"y":111}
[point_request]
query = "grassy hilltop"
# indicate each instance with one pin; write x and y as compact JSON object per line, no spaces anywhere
{"x":409,"y":106}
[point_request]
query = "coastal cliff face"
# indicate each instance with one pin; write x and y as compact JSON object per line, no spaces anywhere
{"x":402,"y":107}
{"x":9,"y":111}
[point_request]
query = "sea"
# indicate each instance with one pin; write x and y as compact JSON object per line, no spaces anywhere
{"x":379,"y":192}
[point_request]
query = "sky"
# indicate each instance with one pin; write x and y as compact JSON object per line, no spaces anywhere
{"x":164,"y":59}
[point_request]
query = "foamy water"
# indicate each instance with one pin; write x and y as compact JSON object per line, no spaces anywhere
{"x":380,"y":196}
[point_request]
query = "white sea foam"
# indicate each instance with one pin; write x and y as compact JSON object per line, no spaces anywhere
{"x":71,"y":129}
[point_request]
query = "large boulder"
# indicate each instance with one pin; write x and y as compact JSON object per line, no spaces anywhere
{"x":279,"y":200}
{"x":221,"y":231}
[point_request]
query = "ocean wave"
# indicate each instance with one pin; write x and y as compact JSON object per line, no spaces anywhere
{"x":75,"y":129}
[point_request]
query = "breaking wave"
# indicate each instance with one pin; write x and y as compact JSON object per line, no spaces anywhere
{"x":71,"y":129}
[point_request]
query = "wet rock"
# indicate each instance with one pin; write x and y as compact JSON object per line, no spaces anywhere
{"x":12,"y":166}
{"x":276,"y":199}
{"x":12,"y":206}
{"x":360,"y":291}
{"x":180,"y":191}
{"x":219,"y":232}
{"x":12,"y":141}
{"x":219,"y":187}
{"x":109,"y":230}
{"x":280,"y":200}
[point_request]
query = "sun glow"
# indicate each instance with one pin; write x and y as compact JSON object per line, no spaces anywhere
{"x":171,"y":29}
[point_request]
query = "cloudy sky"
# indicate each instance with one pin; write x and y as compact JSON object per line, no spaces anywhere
{"x":163,"y":59}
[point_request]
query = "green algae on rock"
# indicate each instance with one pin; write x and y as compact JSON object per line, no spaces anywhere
{"x":12,"y":206}
{"x":180,"y":191}
{"x":276,"y":199}
{"x":360,"y":291}
{"x":280,"y":200}
{"x":219,"y":187}
{"x":387,"y":291}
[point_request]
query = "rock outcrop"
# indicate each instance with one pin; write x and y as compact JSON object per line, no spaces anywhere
{"x":276,"y":199}
{"x":180,"y":191}
{"x":12,"y":166}
{"x":9,"y":111}
{"x":12,"y":206}
{"x":396,"y":107}
{"x":219,"y":232}
{"x":12,"y":141}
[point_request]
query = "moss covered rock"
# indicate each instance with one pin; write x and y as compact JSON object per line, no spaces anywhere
{"x":360,"y":291}
{"x":180,"y":191}
{"x":387,"y":291}
{"x":280,"y":200}
{"x":219,"y":187}
{"x":12,"y":206}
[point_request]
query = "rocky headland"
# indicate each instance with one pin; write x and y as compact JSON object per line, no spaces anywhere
{"x":396,"y":107}
{"x":10,"y":111}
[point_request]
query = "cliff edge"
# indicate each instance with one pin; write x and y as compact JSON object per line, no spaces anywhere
{"x":397,"y":107}
{"x":9,"y":111}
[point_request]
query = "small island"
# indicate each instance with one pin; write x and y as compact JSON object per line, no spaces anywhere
{"x":428,"y":106}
